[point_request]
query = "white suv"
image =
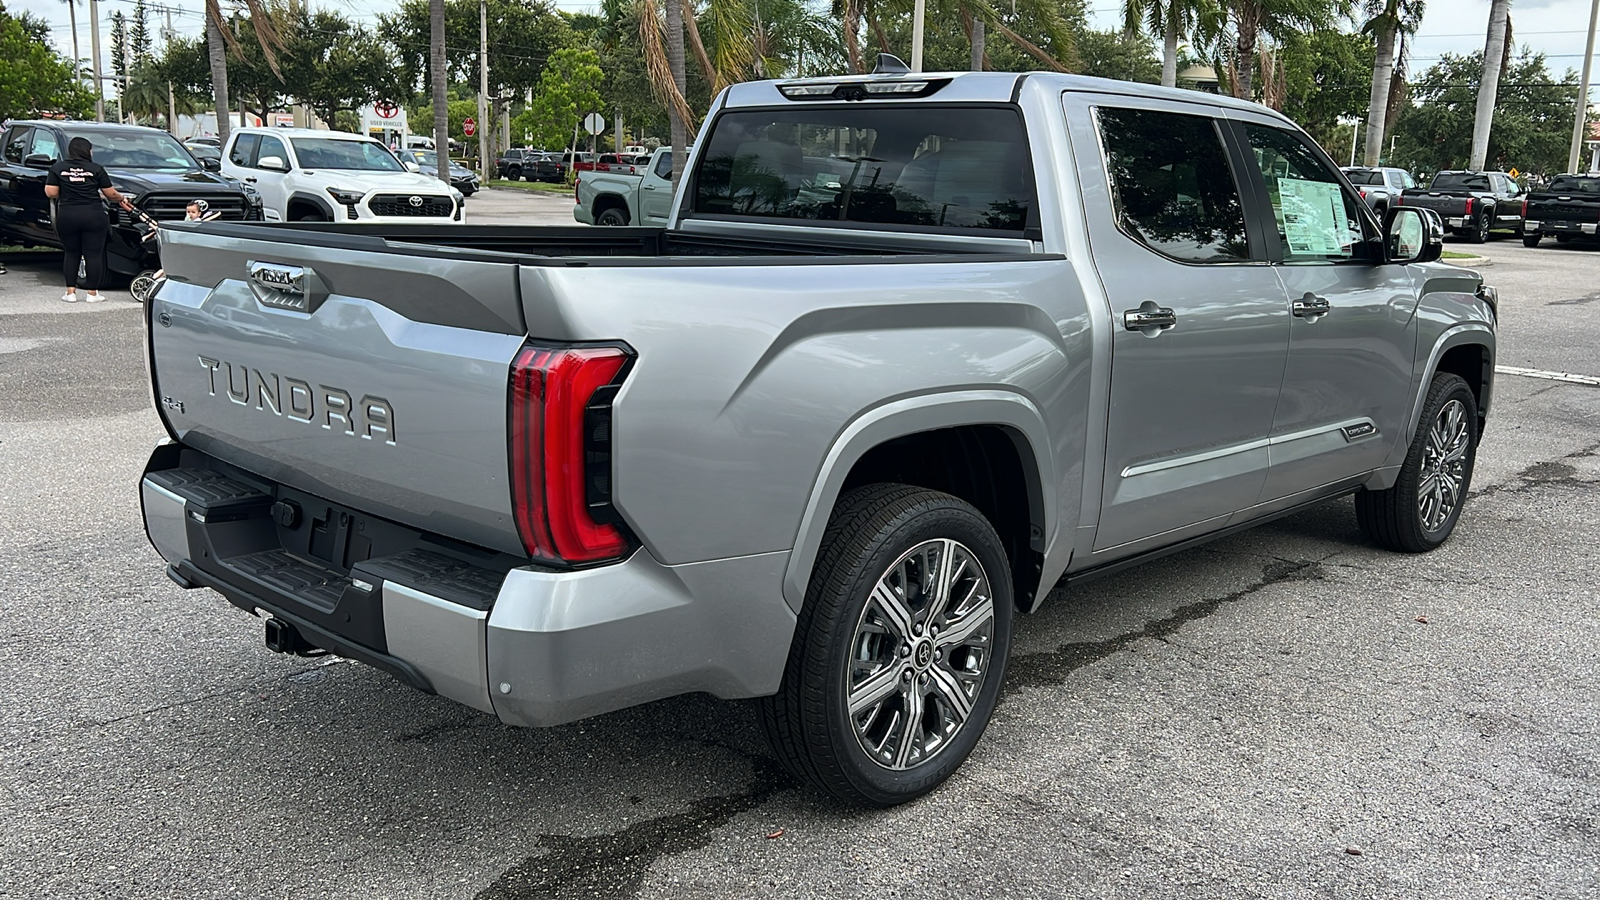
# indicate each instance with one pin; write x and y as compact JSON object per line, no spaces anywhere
{"x":304,"y":175}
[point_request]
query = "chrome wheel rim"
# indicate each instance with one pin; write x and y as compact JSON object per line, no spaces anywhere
{"x":920,"y":653}
{"x":1444,"y":465}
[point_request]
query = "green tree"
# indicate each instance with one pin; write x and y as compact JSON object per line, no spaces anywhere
{"x":139,"y":40}
{"x":522,"y":34}
{"x":34,"y":80}
{"x":1532,"y":115}
{"x":332,"y":64}
{"x":1277,"y":19}
{"x":569,"y":90}
{"x":1173,"y":20}
{"x":1326,"y":78}
{"x":119,"y":47}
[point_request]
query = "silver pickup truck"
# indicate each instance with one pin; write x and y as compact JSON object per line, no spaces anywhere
{"x":626,"y":198}
{"x":911,"y":351}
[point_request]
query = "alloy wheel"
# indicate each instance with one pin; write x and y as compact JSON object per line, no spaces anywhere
{"x":920,"y":653}
{"x":1443,"y":466}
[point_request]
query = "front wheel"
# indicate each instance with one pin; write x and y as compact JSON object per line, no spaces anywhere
{"x":1531,"y":240}
{"x":1421,"y":510}
{"x":900,"y":649}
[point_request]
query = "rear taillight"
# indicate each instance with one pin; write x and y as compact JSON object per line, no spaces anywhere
{"x":575,"y":191}
{"x":560,"y":439}
{"x":1469,"y":205}
{"x":1524,"y":207}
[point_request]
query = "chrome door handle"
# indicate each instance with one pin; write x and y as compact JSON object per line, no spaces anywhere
{"x":1149,"y":318}
{"x":1311,"y":306}
{"x":251,"y":179}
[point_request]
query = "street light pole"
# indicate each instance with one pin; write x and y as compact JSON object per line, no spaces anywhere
{"x":1580,"y":117}
{"x":918,"y":14}
{"x":94,"y":50}
{"x":1354,"y":127}
{"x":483,"y":89}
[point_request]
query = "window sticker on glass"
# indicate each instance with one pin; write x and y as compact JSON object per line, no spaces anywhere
{"x":1312,"y":214}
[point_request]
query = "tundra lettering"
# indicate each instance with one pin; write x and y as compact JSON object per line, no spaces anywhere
{"x":372,"y":418}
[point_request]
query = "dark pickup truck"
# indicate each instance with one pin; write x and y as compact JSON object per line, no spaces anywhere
{"x":1569,"y":207}
{"x":147,"y":165}
{"x":1471,"y":203}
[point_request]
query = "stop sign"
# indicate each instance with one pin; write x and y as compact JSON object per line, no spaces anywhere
{"x":469,"y":127}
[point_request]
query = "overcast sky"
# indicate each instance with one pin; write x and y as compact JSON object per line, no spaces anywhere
{"x":1553,"y":27}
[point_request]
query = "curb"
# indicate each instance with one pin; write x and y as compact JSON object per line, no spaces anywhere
{"x":1476,"y":262}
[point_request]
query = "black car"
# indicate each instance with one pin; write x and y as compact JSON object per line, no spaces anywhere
{"x":513,"y":163}
{"x":146,"y":165}
{"x":462,"y":178}
{"x":1472,"y":204}
{"x":547,"y":167}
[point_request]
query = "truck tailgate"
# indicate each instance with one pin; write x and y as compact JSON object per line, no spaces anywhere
{"x":362,"y":377}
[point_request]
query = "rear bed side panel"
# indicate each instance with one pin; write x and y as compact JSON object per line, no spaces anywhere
{"x":747,"y":375}
{"x":354,"y":403}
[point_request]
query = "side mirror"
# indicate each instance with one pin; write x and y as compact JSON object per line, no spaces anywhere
{"x":211,"y":165}
{"x":272,"y":164}
{"x":1412,"y":234}
{"x":37,"y":161}
{"x":413,"y":167}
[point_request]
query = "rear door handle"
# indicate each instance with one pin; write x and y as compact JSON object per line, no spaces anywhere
{"x":1311,"y":307}
{"x":251,"y":179}
{"x":1149,"y":318}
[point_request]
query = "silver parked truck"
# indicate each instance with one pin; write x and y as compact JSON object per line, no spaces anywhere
{"x":911,"y":350}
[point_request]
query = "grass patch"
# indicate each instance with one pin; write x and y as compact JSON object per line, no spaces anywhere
{"x":537,"y":187}
{"x":1456,"y":254}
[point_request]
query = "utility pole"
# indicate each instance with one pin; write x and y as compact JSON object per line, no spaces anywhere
{"x":1580,"y":118}
{"x":919,"y":12}
{"x":483,"y":88}
{"x":94,"y":50}
{"x":167,"y":34}
{"x":77,"y":61}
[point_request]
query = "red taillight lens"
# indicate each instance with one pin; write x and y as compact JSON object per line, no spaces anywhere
{"x":1524,"y":207}
{"x":561,"y":451}
{"x":575,"y":191}
{"x":1469,"y":205}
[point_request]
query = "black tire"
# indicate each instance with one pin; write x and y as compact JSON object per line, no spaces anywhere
{"x":611,"y":217}
{"x":514,"y":173}
{"x":307,"y":215}
{"x":1531,"y":240}
{"x":1479,"y":231}
{"x":871,"y":535}
{"x":1394,"y":518}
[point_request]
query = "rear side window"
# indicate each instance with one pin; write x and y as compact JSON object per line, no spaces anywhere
{"x":1172,"y":186}
{"x":45,"y":143}
{"x":664,"y":165}
{"x":938,"y":168}
{"x":244,"y":150}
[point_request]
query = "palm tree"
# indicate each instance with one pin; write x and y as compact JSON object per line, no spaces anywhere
{"x":266,"y":22}
{"x":1495,"y":50}
{"x":663,"y":57}
{"x":1275,"y":18}
{"x":1171,"y":20}
{"x":1389,"y":19}
{"x":438,"y":76}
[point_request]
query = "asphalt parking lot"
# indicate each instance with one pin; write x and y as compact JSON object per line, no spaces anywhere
{"x":1285,"y":713}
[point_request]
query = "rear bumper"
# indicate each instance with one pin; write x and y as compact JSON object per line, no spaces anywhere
{"x":535,"y":647}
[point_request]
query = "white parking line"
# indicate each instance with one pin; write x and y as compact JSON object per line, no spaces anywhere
{"x":1549,"y":376}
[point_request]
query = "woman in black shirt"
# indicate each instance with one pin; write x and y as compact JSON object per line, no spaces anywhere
{"x":76,"y":184}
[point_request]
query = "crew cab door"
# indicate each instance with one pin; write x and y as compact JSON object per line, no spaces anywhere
{"x":1199,"y":322}
{"x":272,"y":185}
{"x":1352,"y":333}
{"x":23,"y":205}
{"x":655,"y":190}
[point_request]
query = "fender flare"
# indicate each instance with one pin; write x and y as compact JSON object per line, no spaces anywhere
{"x":314,"y":200}
{"x":1480,"y":333}
{"x":912,"y":415}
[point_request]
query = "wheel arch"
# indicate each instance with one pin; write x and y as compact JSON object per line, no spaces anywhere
{"x":988,"y":447}
{"x":603,"y":202}
{"x":1467,"y":350}
{"x":301,"y":200}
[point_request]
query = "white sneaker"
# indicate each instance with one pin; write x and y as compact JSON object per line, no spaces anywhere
{"x":94,"y":297}
{"x":70,"y":297}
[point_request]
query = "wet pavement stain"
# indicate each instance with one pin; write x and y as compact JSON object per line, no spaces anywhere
{"x":1041,"y":669}
{"x":1577,"y":301}
{"x":615,"y":865}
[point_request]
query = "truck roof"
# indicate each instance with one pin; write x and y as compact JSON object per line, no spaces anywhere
{"x":981,"y":87}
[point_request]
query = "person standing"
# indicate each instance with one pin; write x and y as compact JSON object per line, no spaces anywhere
{"x":76,"y":184}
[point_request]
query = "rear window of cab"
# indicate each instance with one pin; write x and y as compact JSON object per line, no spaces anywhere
{"x":927,"y":167}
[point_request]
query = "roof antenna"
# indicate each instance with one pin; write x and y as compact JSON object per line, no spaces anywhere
{"x":889,"y":64}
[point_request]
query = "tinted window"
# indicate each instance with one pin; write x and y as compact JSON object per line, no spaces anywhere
{"x":17,"y":144}
{"x":1317,"y":219}
{"x":1574,"y":184}
{"x":271,"y":146}
{"x":664,"y":165}
{"x":1365,"y":176}
{"x":960,"y":167}
{"x":1171,"y":184}
{"x":46,"y":142}
{"x":1397,"y":180}
{"x":1458,"y":182}
{"x":244,"y":149}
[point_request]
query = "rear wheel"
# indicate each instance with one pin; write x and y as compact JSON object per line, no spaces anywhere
{"x":1421,"y":510}
{"x":1478,"y":229}
{"x":900,"y":649}
{"x":514,"y":173}
{"x":612,"y":216}
{"x":1532,"y":240}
